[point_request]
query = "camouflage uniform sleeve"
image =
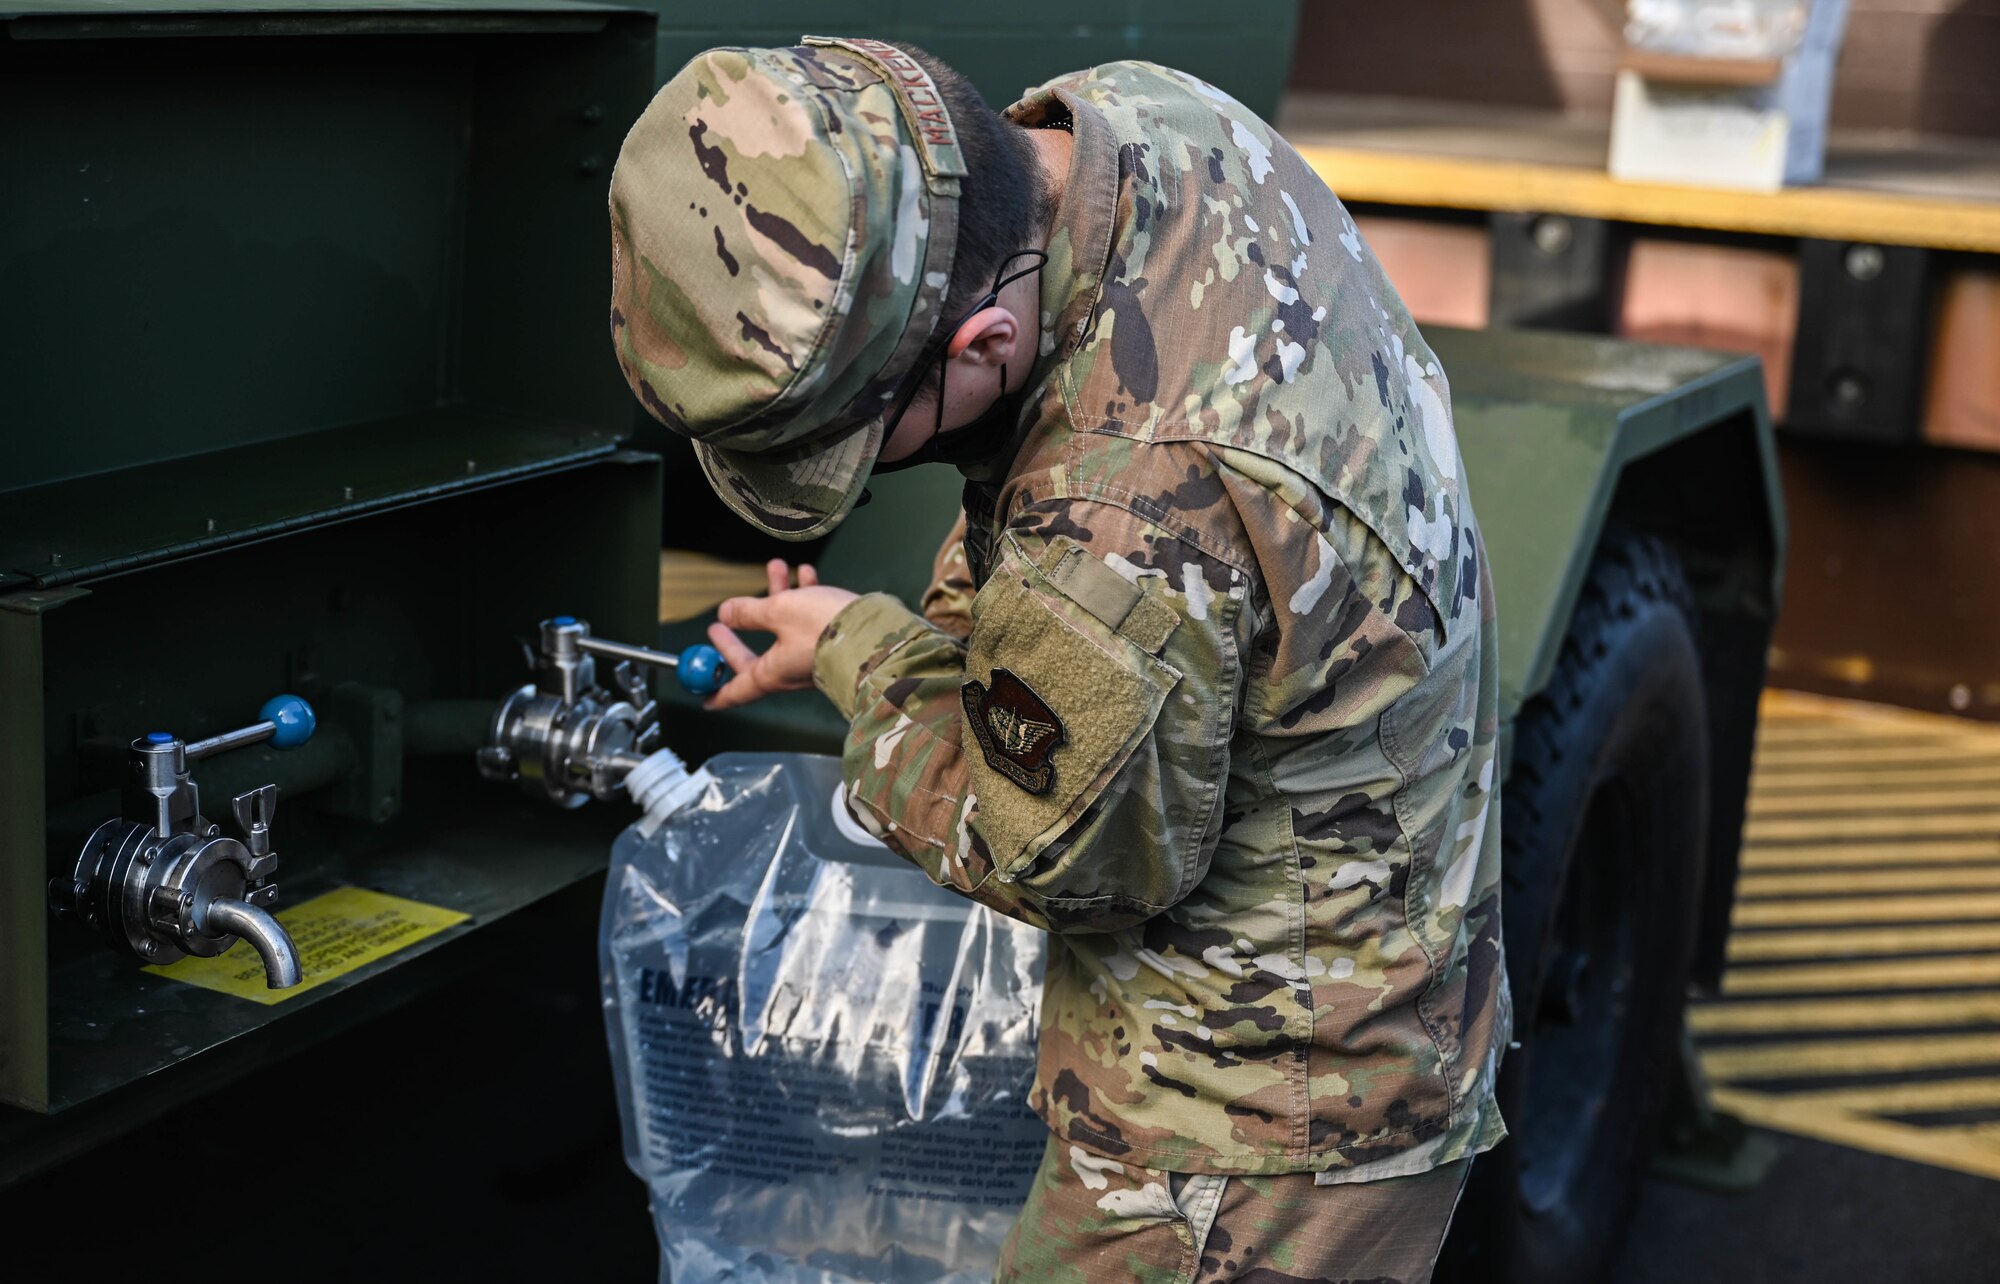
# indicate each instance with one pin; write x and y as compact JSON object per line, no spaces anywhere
{"x":1065,"y":764}
{"x":947,"y":602}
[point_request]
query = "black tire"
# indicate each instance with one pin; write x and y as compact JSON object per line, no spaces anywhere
{"x":1604,"y":814}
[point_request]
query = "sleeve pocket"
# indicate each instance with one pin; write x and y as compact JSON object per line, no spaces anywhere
{"x":1056,"y":697}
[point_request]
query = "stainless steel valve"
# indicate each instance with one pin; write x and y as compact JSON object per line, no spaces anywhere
{"x":162,"y":881}
{"x":567,"y":739}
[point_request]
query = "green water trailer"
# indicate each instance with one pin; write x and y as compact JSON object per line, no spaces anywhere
{"x":307,"y":391}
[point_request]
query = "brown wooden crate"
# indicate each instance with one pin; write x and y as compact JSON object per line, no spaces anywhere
{"x":1677,"y":69}
{"x":1443,"y":271}
{"x":1963,"y":404}
{"x":1888,"y":579}
{"x":1715,"y":296}
{"x":1907,"y":64}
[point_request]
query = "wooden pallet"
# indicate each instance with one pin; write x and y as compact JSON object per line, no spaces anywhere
{"x":692,"y":583}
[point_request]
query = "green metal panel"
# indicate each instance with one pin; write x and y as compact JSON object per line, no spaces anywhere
{"x":75,"y":530}
{"x":1548,"y":424}
{"x":426,"y":599}
{"x":136,"y":225}
{"x":1244,"y":48}
{"x":291,"y":219}
{"x":70,"y":19}
{"x":24,"y":917}
{"x":309,"y":391}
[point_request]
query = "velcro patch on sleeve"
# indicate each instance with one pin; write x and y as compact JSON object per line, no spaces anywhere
{"x":1057,"y":702}
{"x":1120,"y":604}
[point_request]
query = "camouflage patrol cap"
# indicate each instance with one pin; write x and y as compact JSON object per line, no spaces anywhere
{"x":782,"y":229}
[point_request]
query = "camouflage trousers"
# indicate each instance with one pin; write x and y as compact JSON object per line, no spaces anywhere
{"x":1090,"y":1220}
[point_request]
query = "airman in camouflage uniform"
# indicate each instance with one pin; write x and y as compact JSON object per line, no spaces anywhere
{"x":1206,"y":686}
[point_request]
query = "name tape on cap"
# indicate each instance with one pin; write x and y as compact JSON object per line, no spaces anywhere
{"x":924,"y":110}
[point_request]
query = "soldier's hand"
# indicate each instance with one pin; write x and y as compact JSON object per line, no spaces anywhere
{"x":795,"y":617}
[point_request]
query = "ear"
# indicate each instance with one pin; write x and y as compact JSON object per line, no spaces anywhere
{"x":989,"y":337}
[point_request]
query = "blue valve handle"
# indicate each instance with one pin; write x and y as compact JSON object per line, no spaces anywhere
{"x":701,"y":670}
{"x":294,"y":719}
{"x":286,"y":721}
{"x":700,"y":667}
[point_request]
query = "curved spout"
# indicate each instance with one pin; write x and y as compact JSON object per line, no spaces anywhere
{"x":265,"y":934}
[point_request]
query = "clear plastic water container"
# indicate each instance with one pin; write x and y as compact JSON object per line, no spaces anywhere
{"x":822,"y":1058}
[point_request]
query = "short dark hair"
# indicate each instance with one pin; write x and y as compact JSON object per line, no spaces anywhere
{"x":1003,"y":200}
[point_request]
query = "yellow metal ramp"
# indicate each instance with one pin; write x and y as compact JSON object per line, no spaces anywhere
{"x":1862,"y":1001}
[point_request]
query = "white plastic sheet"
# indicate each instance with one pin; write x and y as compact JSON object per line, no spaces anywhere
{"x":822,"y":1058}
{"x":1717,"y":28}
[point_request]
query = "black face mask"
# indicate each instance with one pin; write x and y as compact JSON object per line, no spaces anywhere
{"x":977,"y":440}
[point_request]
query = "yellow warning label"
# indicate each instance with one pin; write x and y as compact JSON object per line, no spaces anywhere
{"x":347,"y":928}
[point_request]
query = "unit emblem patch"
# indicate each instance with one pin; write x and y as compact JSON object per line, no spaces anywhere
{"x":1016,"y":729}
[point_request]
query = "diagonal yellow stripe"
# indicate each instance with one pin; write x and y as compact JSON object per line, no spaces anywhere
{"x":1905,"y":1098}
{"x":1852,"y":1056}
{"x":1868,"y":909}
{"x":1897,"y":814}
{"x":1790,"y":756}
{"x":1877,"y":720}
{"x":1888,"y":779}
{"x":1873,"y":722}
{"x":1807,"y":882}
{"x":1750,"y":947}
{"x":1831,"y":801}
{"x":1785,"y":1016}
{"x":1964,"y":823}
{"x":1847,"y":743}
{"x":1941,"y":1148}
{"x":1955,"y":731}
{"x":1865,"y":974}
{"x":1911,"y":851}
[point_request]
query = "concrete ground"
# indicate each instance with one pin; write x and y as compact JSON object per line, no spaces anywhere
{"x":1861,"y":1008}
{"x":1825,"y":1213}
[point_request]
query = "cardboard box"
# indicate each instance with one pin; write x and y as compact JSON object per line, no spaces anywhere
{"x":1744,"y":122}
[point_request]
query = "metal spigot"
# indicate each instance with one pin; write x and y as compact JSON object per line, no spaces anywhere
{"x":162,"y":881}
{"x":565,"y":738}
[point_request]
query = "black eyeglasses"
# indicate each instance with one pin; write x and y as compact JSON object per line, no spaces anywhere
{"x":939,"y":349}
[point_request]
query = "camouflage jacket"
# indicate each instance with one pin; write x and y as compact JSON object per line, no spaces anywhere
{"x":1221,"y":713}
